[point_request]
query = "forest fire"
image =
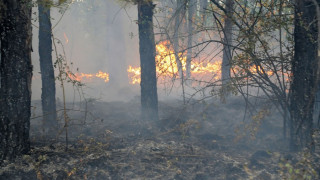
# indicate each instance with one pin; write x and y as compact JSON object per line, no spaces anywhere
{"x":230,"y":93}
{"x":134,"y":74}
{"x":81,"y":76}
{"x":166,"y":65}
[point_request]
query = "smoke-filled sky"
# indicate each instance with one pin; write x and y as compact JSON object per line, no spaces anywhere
{"x":97,"y":36}
{"x":102,"y":36}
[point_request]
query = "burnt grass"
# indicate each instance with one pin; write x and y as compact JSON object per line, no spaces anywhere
{"x":200,"y":141}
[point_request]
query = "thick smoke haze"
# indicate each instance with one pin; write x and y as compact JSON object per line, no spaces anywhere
{"x":229,"y":90}
{"x":96,"y":36}
{"x":103,"y":36}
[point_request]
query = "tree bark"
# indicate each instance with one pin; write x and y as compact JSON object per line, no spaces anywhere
{"x":227,"y":56}
{"x":304,"y":70}
{"x":47,"y":73}
{"x":149,"y":97}
{"x":15,"y":77}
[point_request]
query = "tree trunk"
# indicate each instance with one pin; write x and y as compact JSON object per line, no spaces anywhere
{"x":304,"y":70}
{"x":203,"y":6}
{"x":47,"y":73}
{"x":15,"y":77}
{"x":180,"y":10}
{"x":178,"y":20}
{"x":149,"y":97}
{"x":227,"y":56}
{"x":315,"y":2}
{"x":191,"y":8}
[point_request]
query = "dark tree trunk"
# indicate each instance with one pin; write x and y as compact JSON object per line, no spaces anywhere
{"x":227,"y":56}
{"x":149,"y":97}
{"x":304,"y":67}
{"x":15,"y":77}
{"x":191,"y":8}
{"x":47,"y":73}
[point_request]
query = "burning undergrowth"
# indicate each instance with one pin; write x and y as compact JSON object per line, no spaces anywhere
{"x":197,"y":141}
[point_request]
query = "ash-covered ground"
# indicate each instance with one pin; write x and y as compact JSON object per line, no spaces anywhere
{"x":202,"y":140}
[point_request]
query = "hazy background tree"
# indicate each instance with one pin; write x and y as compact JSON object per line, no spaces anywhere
{"x":48,"y":99}
{"x":192,"y":6}
{"x":227,"y":54}
{"x":15,"y":77}
{"x":116,"y":67}
{"x":178,"y":22}
{"x":103,"y":25}
{"x":203,"y":6}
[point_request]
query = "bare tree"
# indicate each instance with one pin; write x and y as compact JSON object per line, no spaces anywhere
{"x":259,"y":70}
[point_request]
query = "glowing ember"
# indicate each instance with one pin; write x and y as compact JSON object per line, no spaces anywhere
{"x":81,"y":76}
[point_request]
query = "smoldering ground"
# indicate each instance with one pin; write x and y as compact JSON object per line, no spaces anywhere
{"x":207,"y":140}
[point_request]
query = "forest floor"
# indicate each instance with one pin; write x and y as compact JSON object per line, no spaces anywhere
{"x":201,"y":141}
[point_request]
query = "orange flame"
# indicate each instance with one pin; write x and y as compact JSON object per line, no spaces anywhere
{"x":254,"y":69}
{"x":81,"y":76}
{"x":103,"y":75}
{"x":134,"y":74}
{"x":166,"y":65}
{"x":166,"y":59}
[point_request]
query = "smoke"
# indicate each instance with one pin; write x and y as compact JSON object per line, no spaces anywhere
{"x":101,"y":35}
{"x":95,"y":36}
